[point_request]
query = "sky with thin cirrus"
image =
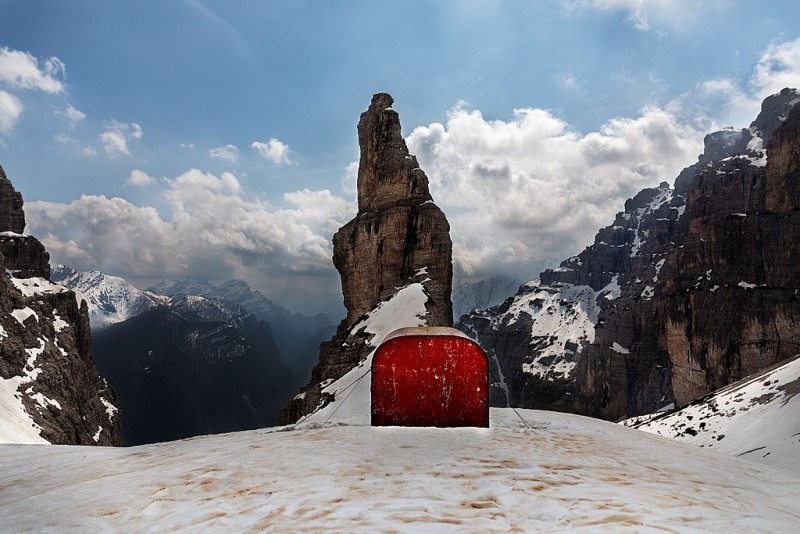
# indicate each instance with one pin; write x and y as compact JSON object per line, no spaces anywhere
{"x":214,"y":138}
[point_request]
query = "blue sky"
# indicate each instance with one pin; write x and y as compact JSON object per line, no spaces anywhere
{"x":156,"y":139}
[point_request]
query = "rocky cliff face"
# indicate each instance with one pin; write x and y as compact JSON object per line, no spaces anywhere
{"x":399,"y":238}
{"x":689,"y":289}
{"x":50,"y":390}
{"x":717,"y":300}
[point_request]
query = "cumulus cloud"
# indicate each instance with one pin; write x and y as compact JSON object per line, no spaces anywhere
{"x":139,"y":178}
{"x":10,"y":110}
{"x":273,"y":150}
{"x":22,"y":70}
{"x":209,"y":226}
{"x":115,"y":138}
{"x":227,"y":152}
{"x":524,"y":193}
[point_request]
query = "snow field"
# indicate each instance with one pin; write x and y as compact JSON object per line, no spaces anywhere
{"x":755,"y":418}
{"x":566,"y":473}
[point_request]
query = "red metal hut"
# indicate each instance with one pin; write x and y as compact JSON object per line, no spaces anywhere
{"x":430,"y":377}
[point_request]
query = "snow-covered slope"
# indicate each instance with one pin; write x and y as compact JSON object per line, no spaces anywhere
{"x":534,"y":339}
{"x":405,"y":309}
{"x":110,"y":299}
{"x":756,"y":418}
{"x":565,"y":473}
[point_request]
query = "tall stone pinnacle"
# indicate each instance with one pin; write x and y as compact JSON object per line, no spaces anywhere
{"x":398,"y":229}
{"x":387,"y":173}
{"x":398,"y":238}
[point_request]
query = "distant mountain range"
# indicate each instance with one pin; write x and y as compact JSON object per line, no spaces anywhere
{"x":113,"y":300}
{"x":192,"y":357}
{"x":190,"y":367}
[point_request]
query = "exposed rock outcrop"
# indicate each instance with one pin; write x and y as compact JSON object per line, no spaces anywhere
{"x":51,"y":390}
{"x":399,"y":237}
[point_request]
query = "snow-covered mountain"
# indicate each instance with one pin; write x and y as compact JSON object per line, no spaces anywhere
{"x":755,"y":418}
{"x":110,"y":298}
{"x":535,"y":337}
{"x":50,"y":391}
{"x":553,"y":473}
{"x":298,"y":336}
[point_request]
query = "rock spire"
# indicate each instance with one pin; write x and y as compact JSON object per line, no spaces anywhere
{"x":399,"y":237}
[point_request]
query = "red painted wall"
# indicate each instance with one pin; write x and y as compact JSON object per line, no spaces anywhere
{"x":430,"y":377}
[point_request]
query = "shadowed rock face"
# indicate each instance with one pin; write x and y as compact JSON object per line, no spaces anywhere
{"x":399,"y":237}
{"x":46,"y":343}
{"x":12,"y":218}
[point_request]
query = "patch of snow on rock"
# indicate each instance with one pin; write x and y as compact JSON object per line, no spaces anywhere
{"x":22,"y":315}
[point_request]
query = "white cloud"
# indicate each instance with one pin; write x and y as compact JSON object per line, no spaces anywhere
{"x":209,"y":227}
{"x":273,"y":150}
{"x":22,"y":70}
{"x":10,"y":110}
{"x":524,"y":193}
{"x":74,"y":115}
{"x":349,"y":180}
{"x":115,"y":138}
{"x":227,"y":152}
{"x":89,"y":151}
{"x":778,"y":67}
{"x":728,"y":102}
{"x":139,"y":179}
{"x":66,"y":140}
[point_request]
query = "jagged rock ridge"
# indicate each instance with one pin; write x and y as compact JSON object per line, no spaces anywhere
{"x":111,"y":299}
{"x":50,"y":390}
{"x":398,"y":238}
